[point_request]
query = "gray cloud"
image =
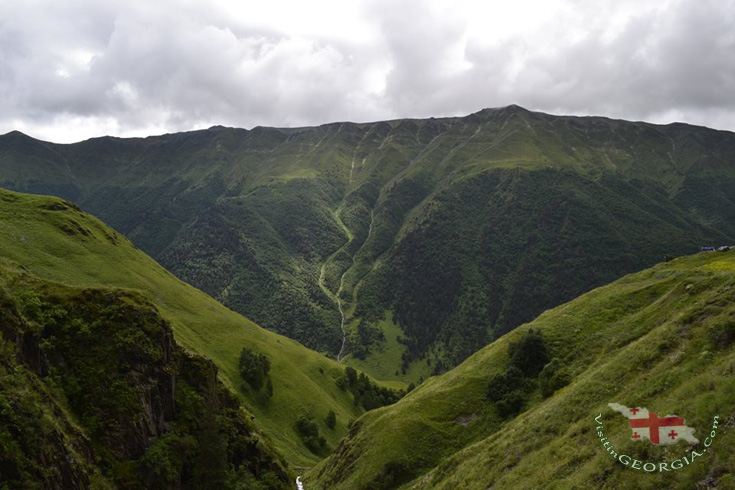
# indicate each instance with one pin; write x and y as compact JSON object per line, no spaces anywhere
{"x":70,"y":70}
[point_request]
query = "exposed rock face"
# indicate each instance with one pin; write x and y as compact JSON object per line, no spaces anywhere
{"x":151,"y":415}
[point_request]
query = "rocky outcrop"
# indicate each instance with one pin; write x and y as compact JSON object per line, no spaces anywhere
{"x":150,"y":415}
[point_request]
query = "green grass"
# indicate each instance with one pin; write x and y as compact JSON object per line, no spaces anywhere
{"x":71,"y":247}
{"x":384,"y":361}
{"x":662,"y":338}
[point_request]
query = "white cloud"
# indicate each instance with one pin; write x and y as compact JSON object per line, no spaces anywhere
{"x":75,"y":69}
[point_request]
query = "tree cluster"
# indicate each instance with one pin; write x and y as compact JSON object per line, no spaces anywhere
{"x":365,"y":393}
{"x":308,"y":429}
{"x":510,"y":389}
{"x":254,"y":369}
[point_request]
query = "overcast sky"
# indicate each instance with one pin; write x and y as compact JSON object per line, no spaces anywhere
{"x":74,"y":69}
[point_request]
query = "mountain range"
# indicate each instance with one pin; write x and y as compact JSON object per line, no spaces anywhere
{"x":402,"y":249}
{"x":437,"y":235}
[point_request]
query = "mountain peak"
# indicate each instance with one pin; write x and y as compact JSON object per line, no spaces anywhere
{"x":17,"y":139}
{"x":501,"y":111}
{"x":15,"y":134}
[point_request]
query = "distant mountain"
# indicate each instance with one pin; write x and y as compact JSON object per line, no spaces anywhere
{"x":531,"y":409}
{"x":436,"y":236}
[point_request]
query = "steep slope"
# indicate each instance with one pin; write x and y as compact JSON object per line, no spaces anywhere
{"x":443,"y":233}
{"x":94,"y":393}
{"x":54,"y":240}
{"x":663,"y":339}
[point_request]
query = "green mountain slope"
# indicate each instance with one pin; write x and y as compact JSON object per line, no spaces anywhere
{"x":94,"y":393}
{"x":442,"y":233}
{"x":53,"y":240}
{"x":663,"y":339}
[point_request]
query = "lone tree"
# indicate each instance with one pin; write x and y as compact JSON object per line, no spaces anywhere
{"x":331,"y":419}
{"x":254,"y":368}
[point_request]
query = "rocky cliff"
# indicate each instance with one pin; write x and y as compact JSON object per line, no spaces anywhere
{"x":95,"y":393}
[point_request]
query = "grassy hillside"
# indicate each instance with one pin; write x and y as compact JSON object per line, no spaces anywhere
{"x":53,"y":240}
{"x":456,"y":230}
{"x":663,"y":339}
{"x":94,"y":393}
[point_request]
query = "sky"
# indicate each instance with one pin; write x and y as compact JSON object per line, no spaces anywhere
{"x":75,"y":69}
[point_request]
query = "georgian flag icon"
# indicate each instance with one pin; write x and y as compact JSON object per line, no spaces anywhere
{"x":658,"y":430}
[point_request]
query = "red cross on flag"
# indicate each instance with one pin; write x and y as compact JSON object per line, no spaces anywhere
{"x":658,"y":430}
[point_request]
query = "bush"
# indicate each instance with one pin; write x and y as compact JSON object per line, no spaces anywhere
{"x":502,"y":384}
{"x":529,"y":358}
{"x":553,"y":377}
{"x":511,"y":404}
{"x":722,"y":332}
{"x":331,"y":419}
{"x":529,"y":354}
{"x":309,"y":432}
{"x":254,"y":368}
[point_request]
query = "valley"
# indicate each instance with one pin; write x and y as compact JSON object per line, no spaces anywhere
{"x":55,"y":241}
{"x":457,"y":230}
{"x":369,"y":245}
{"x":445,"y":302}
{"x":661,"y":338}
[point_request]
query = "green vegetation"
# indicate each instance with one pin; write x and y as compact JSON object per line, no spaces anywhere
{"x":309,"y":431}
{"x":437,"y":236}
{"x":254,"y":369}
{"x":365,"y":393}
{"x":94,"y":392}
{"x":34,"y":233}
{"x":528,"y":357}
{"x":659,"y":339}
{"x":331,"y":419}
{"x":457,"y":230}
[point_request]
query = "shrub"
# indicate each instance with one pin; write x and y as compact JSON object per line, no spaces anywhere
{"x":502,"y":384}
{"x":553,"y":377}
{"x":331,"y":419}
{"x":529,"y":354}
{"x":309,"y":432}
{"x":529,"y":358}
{"x":722,"y":332}
{"x":254,"y":367}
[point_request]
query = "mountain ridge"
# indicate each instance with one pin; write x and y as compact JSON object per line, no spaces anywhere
{"x":401,"y":188}
{"x":486,"y":110}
